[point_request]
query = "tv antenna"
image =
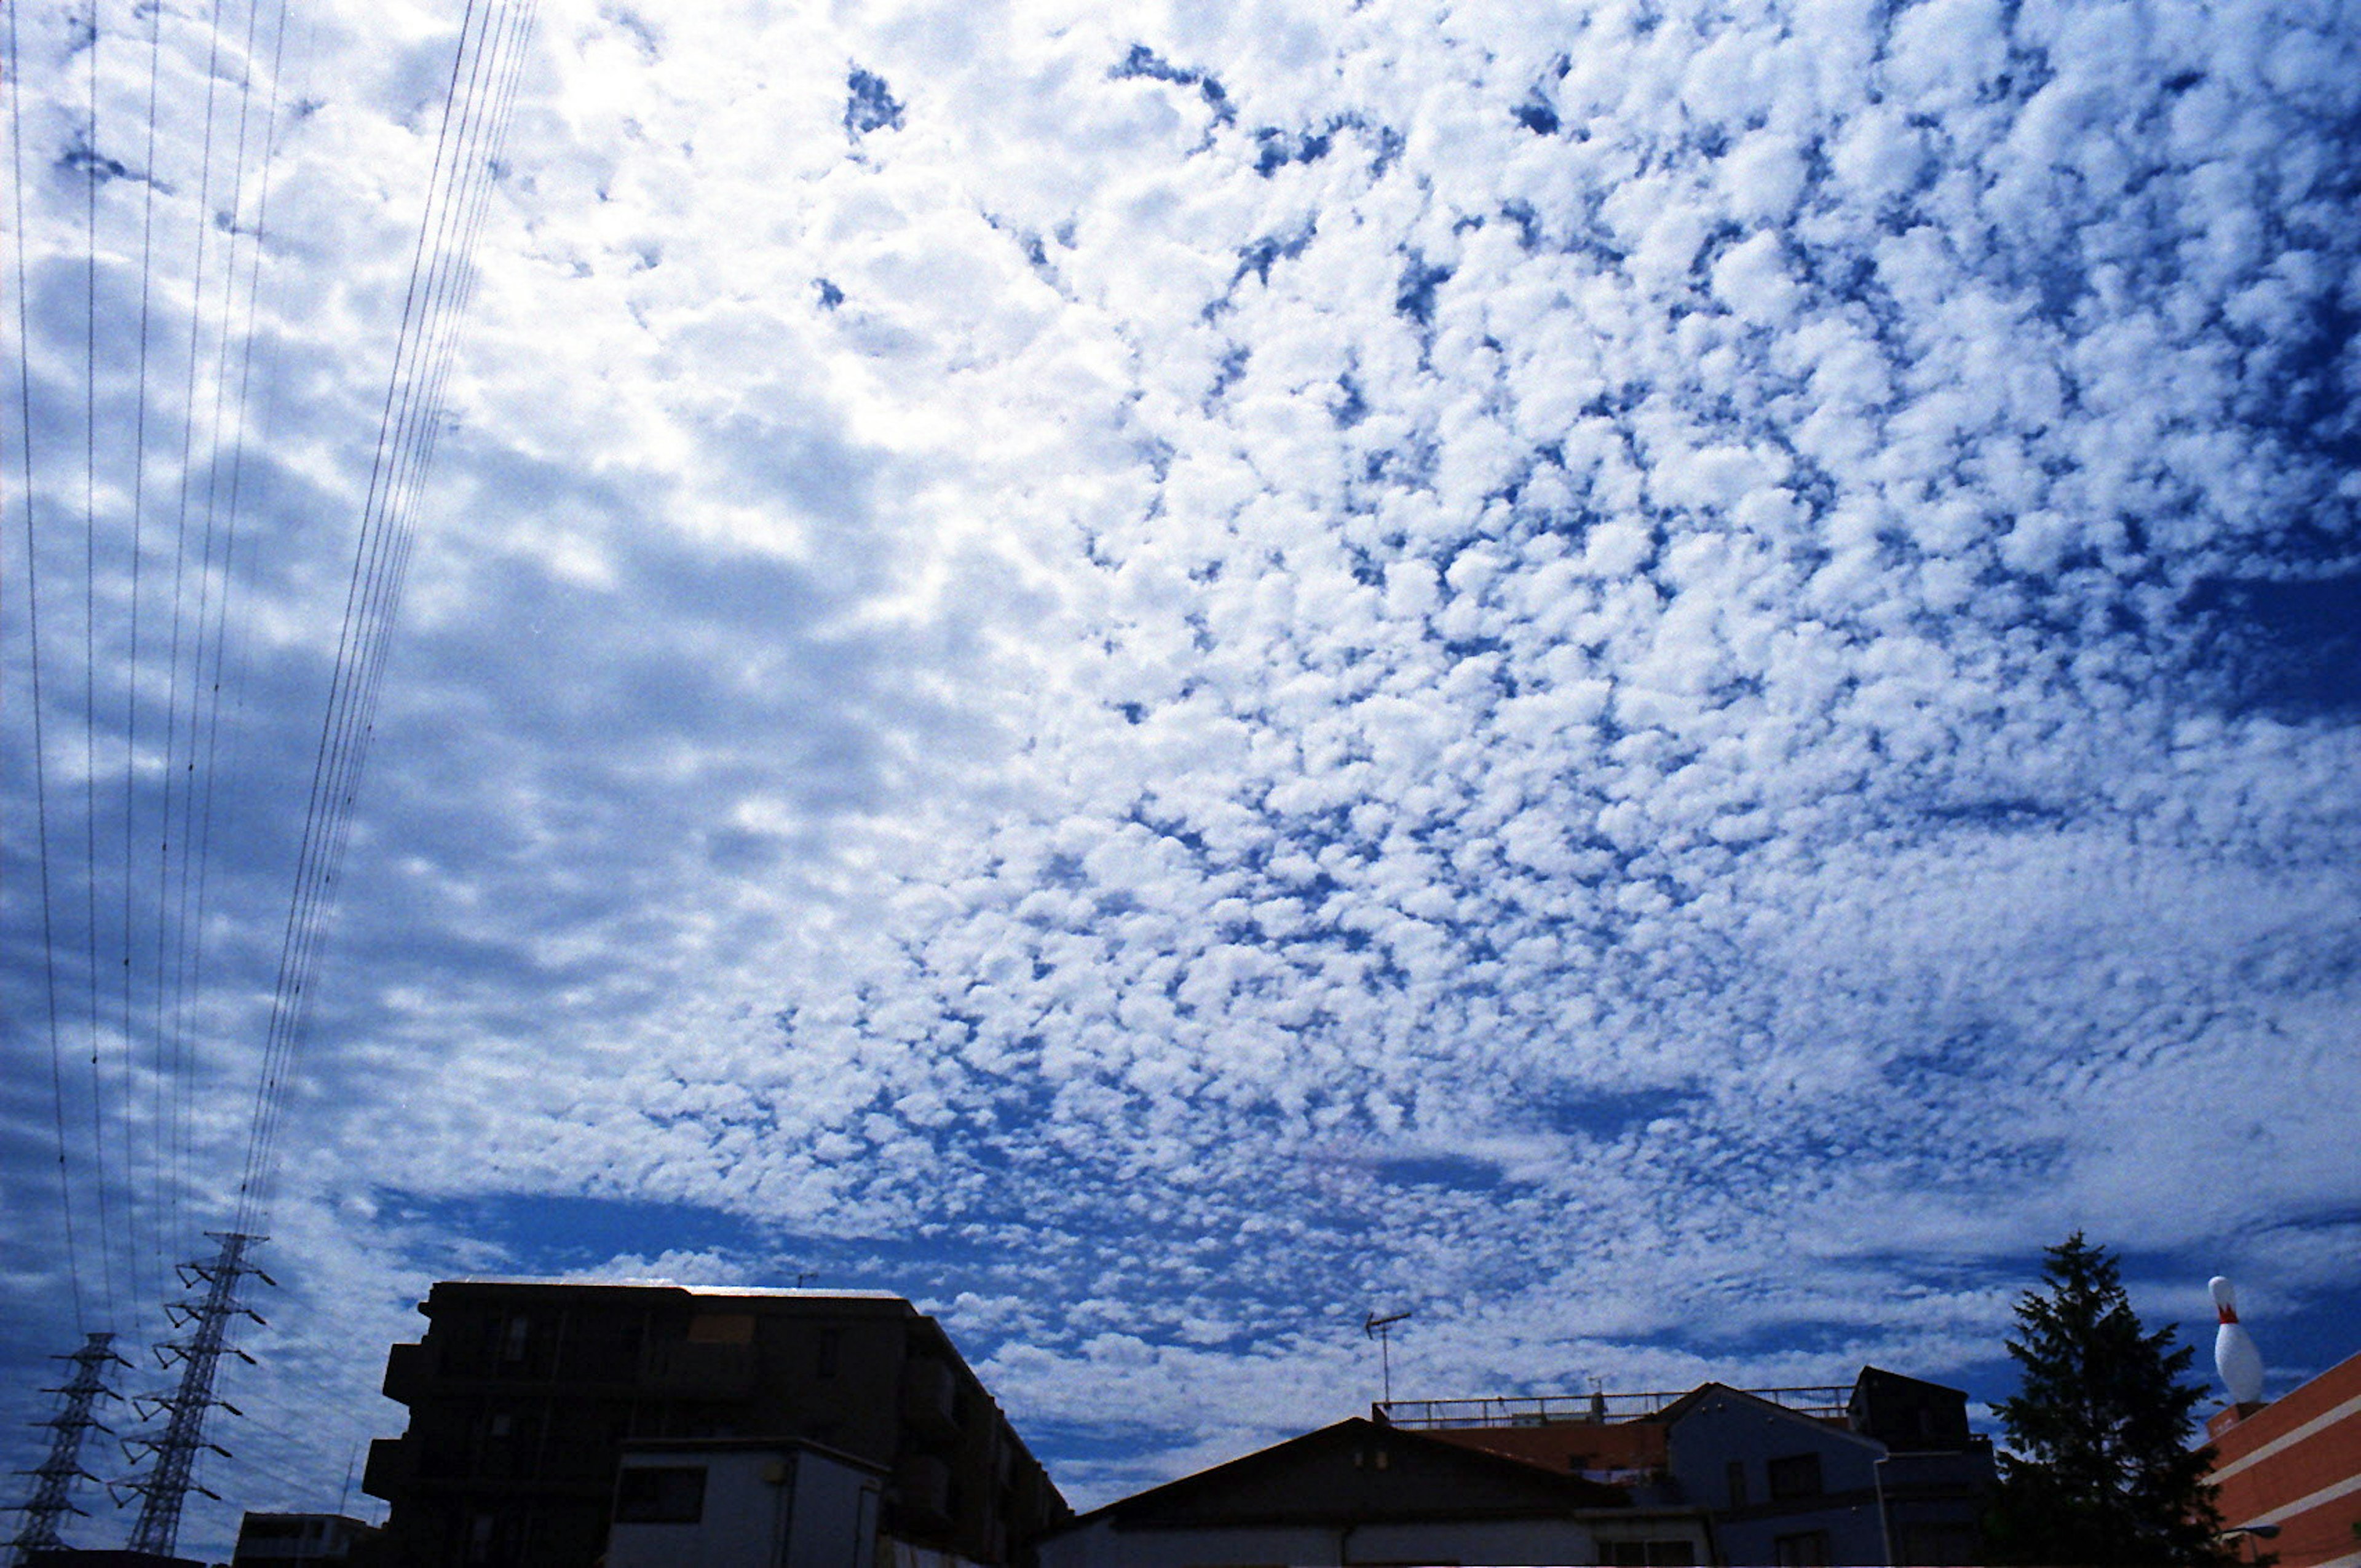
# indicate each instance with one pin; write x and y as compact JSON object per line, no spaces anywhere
{"x":1381,"y":1330}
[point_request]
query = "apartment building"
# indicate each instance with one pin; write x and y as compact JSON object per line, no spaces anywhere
{"x":523,"y":1396}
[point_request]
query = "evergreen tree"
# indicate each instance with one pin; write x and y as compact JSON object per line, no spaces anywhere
{"x":2101,"y":1472}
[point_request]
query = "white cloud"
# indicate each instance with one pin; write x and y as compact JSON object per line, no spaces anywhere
{"x":1421,"y":705}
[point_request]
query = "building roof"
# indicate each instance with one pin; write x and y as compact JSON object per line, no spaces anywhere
{"x":2294,"y":1465}
{"x":1569,"y":1447}
{"x":784,"y":1291}
{"x":1358,"y":1471}
{"x":1707,"y":1393}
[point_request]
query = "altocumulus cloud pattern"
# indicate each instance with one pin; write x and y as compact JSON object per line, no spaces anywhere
{"x":1664,"y":680}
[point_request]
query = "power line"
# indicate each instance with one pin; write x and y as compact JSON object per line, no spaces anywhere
{"x":407,"y":418}
{"x":38,"y":698}
{"x":164,"y":1198}
{"x":92,"y":163}
{"x":178,"y":677}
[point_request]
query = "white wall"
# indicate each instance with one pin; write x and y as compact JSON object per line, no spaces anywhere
{"x":782,"y":1507}
{"x":1100,"y":1545}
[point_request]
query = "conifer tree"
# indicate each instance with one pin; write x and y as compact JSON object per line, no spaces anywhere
{"x":2101,"y":1472}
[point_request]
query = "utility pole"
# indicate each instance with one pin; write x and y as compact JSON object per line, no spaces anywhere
{"x":171,"y":1475}
{"x":56,"y":1475}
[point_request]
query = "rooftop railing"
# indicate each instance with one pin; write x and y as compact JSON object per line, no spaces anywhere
{"x":1824,"y":1401}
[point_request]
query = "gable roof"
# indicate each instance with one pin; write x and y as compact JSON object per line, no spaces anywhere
{"x":1358,"y":1472}
{"x":1696,"y":1399}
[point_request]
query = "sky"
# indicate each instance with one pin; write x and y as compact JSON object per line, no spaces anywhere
{"x":1660,"y":682}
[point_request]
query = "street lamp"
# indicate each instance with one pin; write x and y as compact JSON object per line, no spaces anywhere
{"x":1885,"y":1524}
{"x":2251,"y":1532}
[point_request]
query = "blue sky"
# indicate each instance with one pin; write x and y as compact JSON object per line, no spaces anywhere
{"x":1662,"y":682}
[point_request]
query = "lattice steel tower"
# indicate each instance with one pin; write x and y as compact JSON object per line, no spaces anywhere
{"x":172,"y":1474}
{"x":52,"y":1494}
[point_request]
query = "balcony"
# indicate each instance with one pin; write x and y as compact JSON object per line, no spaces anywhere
{"x":408,"y":1369}
{"x":392,"y":1469}
{"x":931,"y":1400}
{"x":923,"y":1491}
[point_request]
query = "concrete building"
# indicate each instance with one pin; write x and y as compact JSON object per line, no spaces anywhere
{"x":1936,"y":1475}
{"x":1360,"y":1491}
{"x":2292,"y":1468}
{"x":282,"y":1540}
{"x":1884,"y":1470}
{"x":524,"y":1396}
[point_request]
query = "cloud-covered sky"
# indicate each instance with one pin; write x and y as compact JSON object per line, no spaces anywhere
{"x":1662,"y":682}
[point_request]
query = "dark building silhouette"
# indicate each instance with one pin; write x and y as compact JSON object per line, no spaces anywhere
{"x":1361,"y":1491}
{"x":1885,"y":1471}
{"x":1785,"y":1486}
{"x":522,"y":1396}
{"x":284,"y":1541}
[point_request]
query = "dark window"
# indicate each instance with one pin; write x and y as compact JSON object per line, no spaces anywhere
{"x":486,"y":1539}
{"x":660,"y":1494}
{"x":1798,"y":1476}
{"x":1736,"y":1474}
{"x":1809,"y":1549}
{"x":1938,"y":1543}
{"x":1652,"y":1554}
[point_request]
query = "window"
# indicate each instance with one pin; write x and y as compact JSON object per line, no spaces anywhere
{"x":721,"y":1328}
{"x":520,"y":1328}
{"x":1937,"y":1543}
{"x":1809,"y":1549}
{"x":1651,"y":1554}
{"x":1736,"y":1475}
{"x":1798,"y":1476}
{"x":660,"y":1494}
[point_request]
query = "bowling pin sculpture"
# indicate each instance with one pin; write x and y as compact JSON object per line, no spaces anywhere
{"x":2235,"y":1355}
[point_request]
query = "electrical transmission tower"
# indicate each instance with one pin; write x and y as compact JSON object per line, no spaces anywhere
{"x":55,"y":1477}
{"x":171,"y":1475}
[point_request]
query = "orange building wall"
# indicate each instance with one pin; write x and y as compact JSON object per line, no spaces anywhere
{"x":2296,"y":1463}
{"x":1597,"y":1449}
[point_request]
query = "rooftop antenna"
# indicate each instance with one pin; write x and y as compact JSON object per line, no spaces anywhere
{"x":1381,"y":1330}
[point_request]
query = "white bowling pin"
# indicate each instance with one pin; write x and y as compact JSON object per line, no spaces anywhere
{"x":2235,"y":1355}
